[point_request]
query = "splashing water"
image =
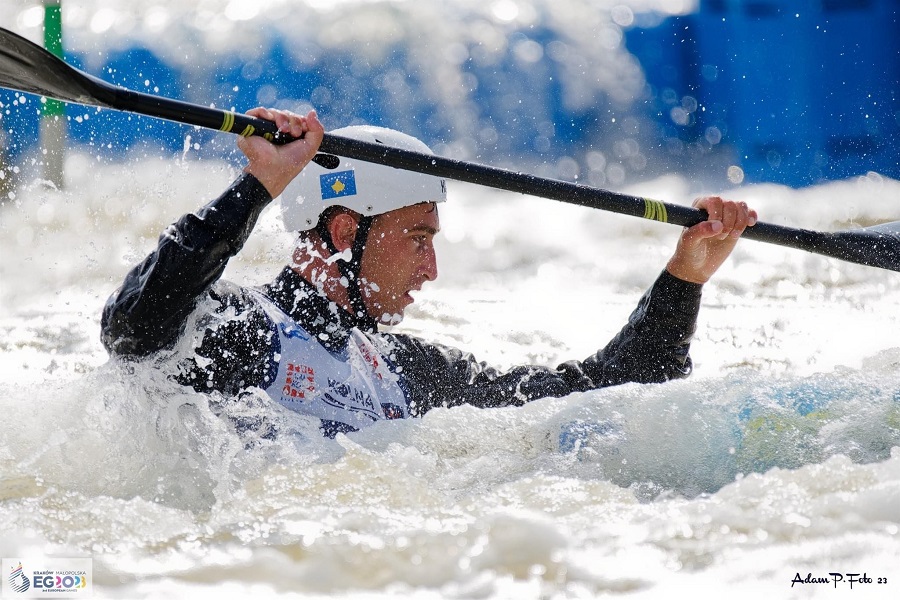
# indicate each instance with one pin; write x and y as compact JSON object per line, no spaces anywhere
{"x":778,"y":457}
{"x":779,"y":452}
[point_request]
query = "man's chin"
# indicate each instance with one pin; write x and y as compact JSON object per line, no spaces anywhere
{"x":391,"y":318}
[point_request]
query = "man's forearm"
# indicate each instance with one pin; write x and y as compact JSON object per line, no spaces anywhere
{"x":653,"y":346}
{"x":148,"y":312}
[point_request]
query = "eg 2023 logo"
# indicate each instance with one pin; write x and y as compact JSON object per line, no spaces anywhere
{"x":47,"y":577}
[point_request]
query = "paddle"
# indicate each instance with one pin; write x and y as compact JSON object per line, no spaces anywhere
{"x":27,"y":67}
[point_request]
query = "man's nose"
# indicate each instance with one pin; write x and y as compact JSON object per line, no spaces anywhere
{"x":429,"y":264}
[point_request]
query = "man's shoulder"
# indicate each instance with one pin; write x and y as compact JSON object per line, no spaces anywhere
{"x":391,"y":341}
{"x":410,"y":350}
{"x":228,"y":293}
{"x":229,"y":340}
{"x":228,"y":306}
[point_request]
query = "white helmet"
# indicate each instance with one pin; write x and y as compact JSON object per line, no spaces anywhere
{"x":367,"y":188}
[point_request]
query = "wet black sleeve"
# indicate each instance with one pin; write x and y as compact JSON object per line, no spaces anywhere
{"x":652,"y":347}
{"x":148,"y":312}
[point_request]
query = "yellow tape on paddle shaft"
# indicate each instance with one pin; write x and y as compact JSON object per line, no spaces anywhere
{"x":655,"y":210}
{"x":227,"y":121}
{"x":228,"y":125}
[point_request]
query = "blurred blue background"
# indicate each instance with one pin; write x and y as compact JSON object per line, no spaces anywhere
{"x":802,"y":90}
{"x":789,"y":91}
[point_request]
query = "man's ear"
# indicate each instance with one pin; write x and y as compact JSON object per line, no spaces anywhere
{"x":343,"y":230}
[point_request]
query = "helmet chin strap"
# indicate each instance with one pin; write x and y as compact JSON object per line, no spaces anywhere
{"x":350,"y":269}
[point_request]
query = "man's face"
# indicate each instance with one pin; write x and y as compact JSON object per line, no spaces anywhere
{"x":398,"y":259}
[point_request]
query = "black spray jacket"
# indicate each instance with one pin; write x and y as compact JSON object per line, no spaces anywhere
{"x":150,"y":310}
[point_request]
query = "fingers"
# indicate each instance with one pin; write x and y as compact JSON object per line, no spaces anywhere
{"x":702,"y":231}
{"x":275,"y":166}
{"x":288,"y":122}
{"x":704,"y":247}
{"x":732,"y":218}
{"x":261,"y":113}
{"x":315,"y":131}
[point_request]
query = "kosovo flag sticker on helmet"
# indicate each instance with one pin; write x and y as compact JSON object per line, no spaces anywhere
{"x":337,"y":185}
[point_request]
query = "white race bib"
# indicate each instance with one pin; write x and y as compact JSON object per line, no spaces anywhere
{"x":355,"y":388}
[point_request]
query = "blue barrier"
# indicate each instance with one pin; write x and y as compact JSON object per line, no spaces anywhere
{"x":19,"y":122}
{"x":668,"y":54}
{"x":803,"y":90}
{"x":342,"y":89}
{"x":518,"y":97}
{"x":807,"y":90}
{"x":113,"y":132}
{"x":105,"y":132}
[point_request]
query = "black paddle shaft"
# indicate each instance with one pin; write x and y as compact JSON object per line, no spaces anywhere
{"x":877,"y":248}
{"x":27,"y":67}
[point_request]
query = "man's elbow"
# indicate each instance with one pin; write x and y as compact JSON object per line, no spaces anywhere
{"x":125,"y":334}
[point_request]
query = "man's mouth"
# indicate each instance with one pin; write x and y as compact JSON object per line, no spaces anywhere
{"x":409,"y":292}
